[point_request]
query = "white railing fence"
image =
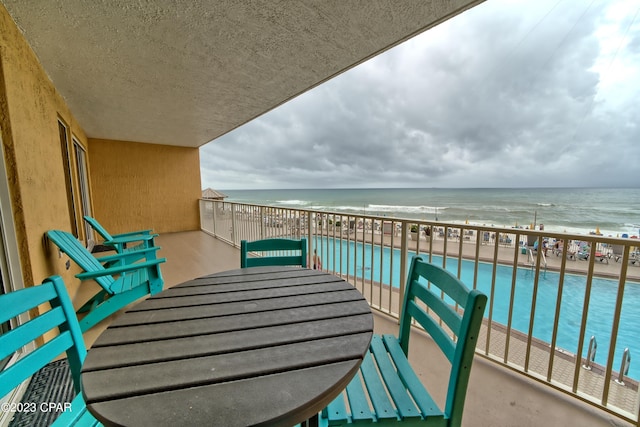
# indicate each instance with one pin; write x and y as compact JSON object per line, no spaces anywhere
{"x":547,"y":308}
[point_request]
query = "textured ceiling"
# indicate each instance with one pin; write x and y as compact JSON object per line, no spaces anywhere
{"x":186,"y":72}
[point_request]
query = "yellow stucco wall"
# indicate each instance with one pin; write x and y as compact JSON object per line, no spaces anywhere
{"x":30,"y":110}
{"x":141,"y":186}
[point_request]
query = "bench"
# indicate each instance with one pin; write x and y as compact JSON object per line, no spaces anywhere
{"x":386,"y":389}
{"x":60,"y":319}
{"x":122,"y":282}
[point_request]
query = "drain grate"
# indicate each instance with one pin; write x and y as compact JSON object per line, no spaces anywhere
{"x":52,"y":383}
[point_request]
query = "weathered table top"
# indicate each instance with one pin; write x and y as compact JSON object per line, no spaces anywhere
{"x":263,"y":345}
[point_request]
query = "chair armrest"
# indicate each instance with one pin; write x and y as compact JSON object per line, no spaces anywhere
{"x":120,"y":269}
{"x":132,"y":233}
{"x":129,"y":239}
{"x":118,"y":257}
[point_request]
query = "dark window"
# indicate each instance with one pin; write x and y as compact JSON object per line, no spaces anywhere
{"x":83,"y":189}
{"x":66,"y":158}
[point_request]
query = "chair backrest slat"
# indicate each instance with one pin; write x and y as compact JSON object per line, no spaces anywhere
{"x":441,"y":307}
{"x":273,"y":260}
{"x":445,"y":281}
{"x":276,"y":252}
{"x":452,"y":314}
{"x":30,"y":331}
{"x":26,"y":366}
{"x":98,"y":227}
{"x":439,"y":335}
{"x":14,"y":304}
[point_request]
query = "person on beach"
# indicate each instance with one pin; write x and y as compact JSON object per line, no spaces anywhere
{"x":317,"y":263}
{"x":558,"y":246}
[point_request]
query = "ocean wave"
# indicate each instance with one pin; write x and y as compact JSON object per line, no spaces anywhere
{"x":344,"y":208}
{"x":407,"y":209}
{"x":356,"y":209}
{"x":397,"y":210}
{"x":486,"y":208}
{"x":293,"y":202}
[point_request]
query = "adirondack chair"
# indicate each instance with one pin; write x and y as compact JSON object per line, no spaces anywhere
{"x":386,"y":369}
{"x":125,"y":242}
{"x":69,"y":340}
{"x":121,"y":284}
{"x":276,"y":252}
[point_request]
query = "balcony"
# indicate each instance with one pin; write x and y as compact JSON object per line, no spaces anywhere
{"x":515,"y":379}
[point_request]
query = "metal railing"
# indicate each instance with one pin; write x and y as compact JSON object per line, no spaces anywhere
{"x":561,"y":288}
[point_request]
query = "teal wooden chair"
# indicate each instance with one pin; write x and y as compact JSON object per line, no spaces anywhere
{"x":393,"y":393}
{"x":125,"y":242}
{"x":121,"y":284}
{"x":61,"y":319}
{"x":274,"y":252}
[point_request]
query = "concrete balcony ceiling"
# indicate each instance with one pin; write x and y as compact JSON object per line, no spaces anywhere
{"x":185,"y":73}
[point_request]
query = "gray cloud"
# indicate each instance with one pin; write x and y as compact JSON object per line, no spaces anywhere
{"x":502,"y":95}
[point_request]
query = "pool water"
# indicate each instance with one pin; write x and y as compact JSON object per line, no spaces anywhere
{"x":601,"y":302}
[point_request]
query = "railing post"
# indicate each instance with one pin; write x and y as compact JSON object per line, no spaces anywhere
{"x":214,"y":206}
{"x":233,"y":225}
{"x":404,"y":254}
{"x":309,"y":232}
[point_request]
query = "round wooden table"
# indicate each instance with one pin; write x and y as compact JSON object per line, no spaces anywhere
{"x":262,"y":345}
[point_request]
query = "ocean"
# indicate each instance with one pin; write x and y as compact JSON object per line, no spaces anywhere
{"x":612,"y":211}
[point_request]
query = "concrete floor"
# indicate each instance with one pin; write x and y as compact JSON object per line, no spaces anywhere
{"x":496,"y":396}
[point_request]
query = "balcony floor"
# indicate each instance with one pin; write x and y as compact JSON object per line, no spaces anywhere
{"x":496,"y":396}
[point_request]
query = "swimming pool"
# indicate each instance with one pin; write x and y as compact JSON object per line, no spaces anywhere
{"x":601,"y":301}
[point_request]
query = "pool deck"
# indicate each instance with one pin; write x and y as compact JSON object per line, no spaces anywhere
{"x":497,"y":396}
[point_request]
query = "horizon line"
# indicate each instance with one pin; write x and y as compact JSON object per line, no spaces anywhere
{"x":428,"y":188}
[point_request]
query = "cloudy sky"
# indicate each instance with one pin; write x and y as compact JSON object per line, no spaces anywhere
{"x":508,"y":94}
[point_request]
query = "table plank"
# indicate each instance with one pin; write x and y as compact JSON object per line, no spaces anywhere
{"x":194,"y":406}
{"x":190,"y":372}
{"x":215,"y":297}
{"x":225,"y":342}
{"x":271,"y":269}
{"x":257,"y":274}
{"x":140,"y":332}
{"x":206,"y":310}
{"x":210,"y":286}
